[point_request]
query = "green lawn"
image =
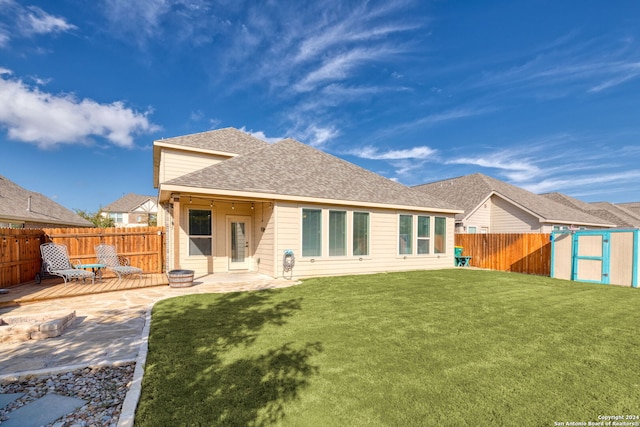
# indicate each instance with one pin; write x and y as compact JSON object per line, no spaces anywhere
{"x":450,"y":347}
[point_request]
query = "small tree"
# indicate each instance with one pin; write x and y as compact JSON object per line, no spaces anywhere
{"x":97,"y":219}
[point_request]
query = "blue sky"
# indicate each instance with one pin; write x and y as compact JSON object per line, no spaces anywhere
{"x":543,"y":95}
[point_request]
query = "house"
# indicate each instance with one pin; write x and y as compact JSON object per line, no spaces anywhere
{"x":133,"y":210}
{"x":21,"y":208}
{"x":619,"y":215}
{"x":231,"y":202}
{"x":493,"y":206}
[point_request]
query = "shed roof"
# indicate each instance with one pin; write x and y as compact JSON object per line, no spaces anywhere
{"x":469,"y":191}
{"x":14,"y":206}
{"x":290,"y":168}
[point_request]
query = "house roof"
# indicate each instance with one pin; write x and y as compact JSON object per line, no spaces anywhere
{"x":469,"y":191}
{"x":632,"y":206}
{"x":128,"y":203}
{"x":619,"y":215}
{"x":14,"y":206}
{"x":623,"y":217}
{"x":227,"y":142}
{"x":290,"y":168}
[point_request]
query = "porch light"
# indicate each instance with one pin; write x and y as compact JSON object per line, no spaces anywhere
{"x":252,"y":207}
{"x":233,"y":205}
{"x":190,"y":199}
{"x":211,"y":204}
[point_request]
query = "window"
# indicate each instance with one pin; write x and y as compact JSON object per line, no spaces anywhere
{"x":440,"y":245}
{"x":117,"y":217}
{"x":472,"y":230}
{"x":200,"y":236}
{"x":424,"y":234}
{"x":405,"y":234}
{"x":311,"y":232}
{"x":360,"y":233}
{"x":337,"y":233}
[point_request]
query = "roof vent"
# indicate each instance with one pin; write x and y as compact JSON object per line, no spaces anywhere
{"x":29,"y":204}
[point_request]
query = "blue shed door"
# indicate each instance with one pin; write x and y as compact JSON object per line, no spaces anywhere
{"x":591,"y":257}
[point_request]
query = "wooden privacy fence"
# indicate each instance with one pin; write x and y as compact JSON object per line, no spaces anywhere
{"x":528,"y":253}
{"x":20,"y":248}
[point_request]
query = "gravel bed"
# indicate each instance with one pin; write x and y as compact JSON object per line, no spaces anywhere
{"x":104,"y":388}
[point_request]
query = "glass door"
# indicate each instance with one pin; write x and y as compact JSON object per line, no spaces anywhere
{"x":239,"y":238}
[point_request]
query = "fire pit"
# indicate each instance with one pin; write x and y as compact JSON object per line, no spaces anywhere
{"x":180,"y":278}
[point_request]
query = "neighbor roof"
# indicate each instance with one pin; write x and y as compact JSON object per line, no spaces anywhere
{"x":290,"y":168}
{"x":624,"y":217}
{"x":632,"y":206}
{"x":615,"y":214}
{"x":469,"y":191}
{"x":128,"y":203}
{"x":14,"y":206}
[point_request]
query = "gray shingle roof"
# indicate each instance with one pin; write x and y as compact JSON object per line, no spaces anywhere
{"x":467,"y":192}
{"x":14,"y":201}
{"x":624,"y":217}
{"x":614,"y":214}
{"x":632,"y":206}
{"x":128,"y":203}
{"x":227,"y":140}
{"x":294,"y":169}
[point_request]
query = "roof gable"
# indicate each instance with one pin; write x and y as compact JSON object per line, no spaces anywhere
{"x":20,"y":204}
{"x":294,"y":169}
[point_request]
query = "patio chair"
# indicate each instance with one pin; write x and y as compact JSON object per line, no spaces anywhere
{"x":108,"y":256}
{"x":55,"y":261}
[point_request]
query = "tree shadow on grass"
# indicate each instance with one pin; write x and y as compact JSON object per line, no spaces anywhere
{"x":203,"y":369}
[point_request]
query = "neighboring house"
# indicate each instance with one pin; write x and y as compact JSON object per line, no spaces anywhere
{"x":132,"y":210}
{"x":619,"y":215}
{"x":493,"y":206}
{"x":21,"y":208}
{"x":233,"y":202}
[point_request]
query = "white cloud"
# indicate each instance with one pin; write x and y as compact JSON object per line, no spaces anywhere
{"x":36,"y":21}
{"x":338,"y":67}
{"x":317,"y":136}
{"x":374,"y":153}
{"x":261,"y":135}
{"x":576,"y":182}
{"x":20,"y":21}
{"x":33,"y":116}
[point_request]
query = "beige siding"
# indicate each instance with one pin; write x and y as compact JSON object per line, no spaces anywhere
{"x":621,"y":267}
{"x":175,"y":163}
{"x":264,"y":232}
{"x":562,"y":256}
{"x":383,"y":255}
{"x":481,"y":218}
{"x":508,"y":218}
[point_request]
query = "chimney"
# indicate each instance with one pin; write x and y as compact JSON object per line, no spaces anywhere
{"x":29,"y":204}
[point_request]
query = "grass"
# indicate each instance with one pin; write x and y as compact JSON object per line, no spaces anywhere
{"x":450,"y":347}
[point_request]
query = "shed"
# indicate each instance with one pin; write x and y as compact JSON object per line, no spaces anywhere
{"x":609,"y":257}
